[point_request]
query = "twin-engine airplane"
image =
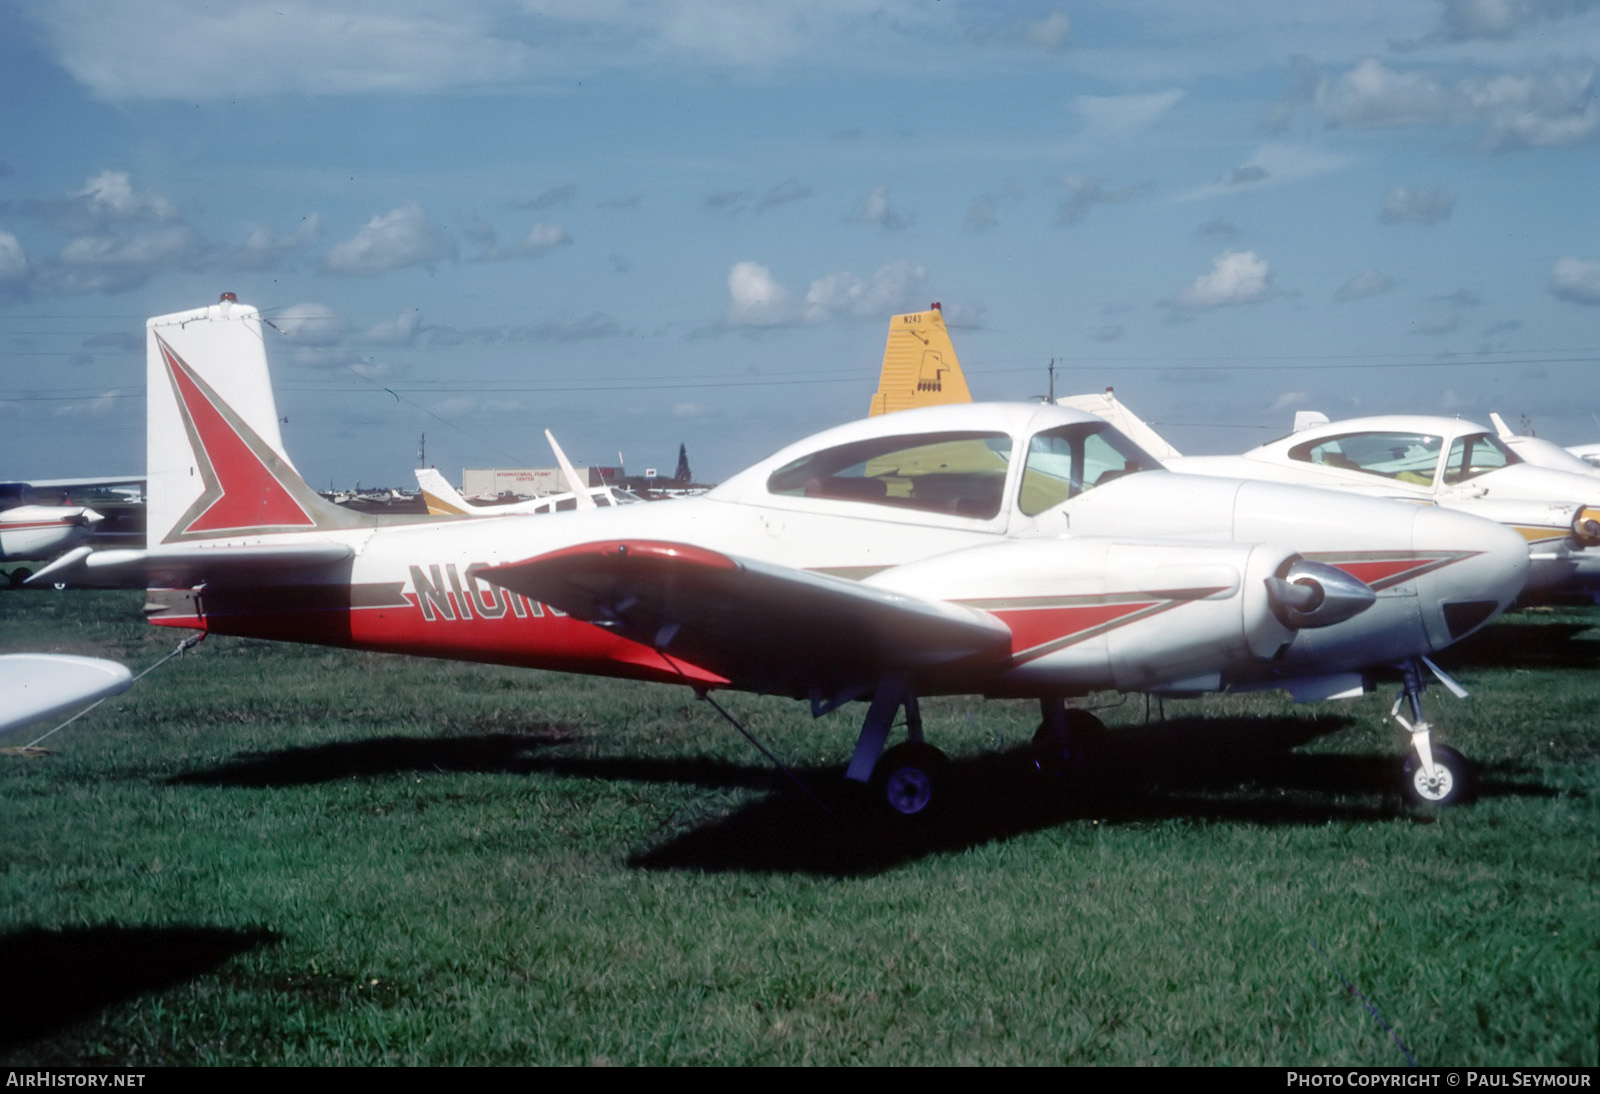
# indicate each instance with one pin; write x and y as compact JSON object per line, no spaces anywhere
{"x":1006,"y":550}
{"x":1448,"y":462}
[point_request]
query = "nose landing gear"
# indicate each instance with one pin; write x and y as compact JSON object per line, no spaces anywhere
{"x":1435,"y":774}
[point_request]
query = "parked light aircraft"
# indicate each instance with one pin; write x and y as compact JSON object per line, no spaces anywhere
{"x":29,"y":530}
{"x":1017,"y":550}
{"x":1446,"y":462}
{"x":1543,"y":453}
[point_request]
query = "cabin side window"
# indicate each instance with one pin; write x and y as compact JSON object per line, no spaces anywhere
{"x":1405,"y":457}
{"x":960,"y":473}
{"x":1065,"y":461}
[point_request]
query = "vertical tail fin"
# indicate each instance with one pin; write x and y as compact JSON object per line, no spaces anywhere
{"x":919,"y":365}
{"x":580,"y":490}
{"x":442,"y":499}
{"x":217,"y":467}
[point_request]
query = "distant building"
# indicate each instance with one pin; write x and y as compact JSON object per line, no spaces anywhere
{"x":530,"y":482}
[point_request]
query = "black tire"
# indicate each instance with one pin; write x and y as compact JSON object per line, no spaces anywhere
{"x":909,"y":780}
{"x":19,"y":575}
{"x":1073,"y":751}
{"x":1450,"y":785}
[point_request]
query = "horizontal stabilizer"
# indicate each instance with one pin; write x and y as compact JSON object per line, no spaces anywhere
{"x":185,"y":566}
{"x":764,"y":627}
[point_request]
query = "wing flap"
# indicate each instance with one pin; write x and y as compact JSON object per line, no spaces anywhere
{"x":764,"y":627}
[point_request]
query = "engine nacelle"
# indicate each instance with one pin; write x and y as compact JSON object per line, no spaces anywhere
{"x":1088,"y":612}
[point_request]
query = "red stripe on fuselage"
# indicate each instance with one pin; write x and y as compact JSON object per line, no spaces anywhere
{"x":1385,"y":569}
{"x":1035,"y":627}
{"x":540,"y":641}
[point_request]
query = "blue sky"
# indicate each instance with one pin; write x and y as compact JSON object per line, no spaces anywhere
{"x":641,"y":224}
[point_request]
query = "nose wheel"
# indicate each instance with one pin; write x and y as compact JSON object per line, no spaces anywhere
{"x":1435,"y":775}
{"x":1448,"y":782}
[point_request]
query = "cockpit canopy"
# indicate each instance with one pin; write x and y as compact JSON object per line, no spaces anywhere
{"x":932,"y":465}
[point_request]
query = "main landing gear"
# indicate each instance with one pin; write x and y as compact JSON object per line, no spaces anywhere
{"x":908,"y":780}
{"x":1434,"y":774}
{"x":1070,"y":746}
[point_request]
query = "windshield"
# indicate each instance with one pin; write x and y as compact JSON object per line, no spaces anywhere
{"x":959,"y":473}
{"x":1065,"y":461}
{"x":1476,"y":454}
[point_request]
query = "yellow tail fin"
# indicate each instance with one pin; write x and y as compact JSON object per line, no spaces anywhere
{"x":919,"y":365}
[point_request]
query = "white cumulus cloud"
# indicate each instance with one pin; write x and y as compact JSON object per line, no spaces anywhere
{"x":396,"y":239}
{"x":13,"y":264}
{"x":755,"y":299}
{"x":1576,"y":279}
{"x":1236,"y":277}
{"x":541,"y":238}
{"x":894,"y":288}
{"x":310,"y":324}
{"x":1364,"y":284}
{"x":875,"y":209}
{"x":1123,"y":113}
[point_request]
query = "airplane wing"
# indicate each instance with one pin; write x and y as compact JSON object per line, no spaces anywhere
{"x":35,"y":686}
{"x":764,"y":627}
{"x":186,"y":565}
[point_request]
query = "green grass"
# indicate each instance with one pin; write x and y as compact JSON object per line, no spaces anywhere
{"x":277,"y":854}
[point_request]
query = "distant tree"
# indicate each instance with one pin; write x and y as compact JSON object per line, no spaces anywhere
{"x":682,"y":474}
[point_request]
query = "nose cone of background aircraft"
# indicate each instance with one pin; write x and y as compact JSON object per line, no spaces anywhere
{"x":1478,"y":568}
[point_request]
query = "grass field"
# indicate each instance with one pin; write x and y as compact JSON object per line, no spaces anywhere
{"x":271,"y":854}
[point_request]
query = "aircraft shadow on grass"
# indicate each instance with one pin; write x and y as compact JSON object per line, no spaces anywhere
{"x":54,"y":978}
{"x":1243,"y":770}
{"x":1190,"y":769}
{"x":1544,"y":645}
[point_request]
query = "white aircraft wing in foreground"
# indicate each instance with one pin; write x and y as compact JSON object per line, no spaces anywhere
{"x":36,"y":686}
{"x":997,"y":549}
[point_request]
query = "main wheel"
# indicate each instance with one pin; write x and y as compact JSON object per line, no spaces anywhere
{"x":908,"y":779}
{"x":19,"y":575}
{"x":1070,"y":751}
{"x":1448,"y":785}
